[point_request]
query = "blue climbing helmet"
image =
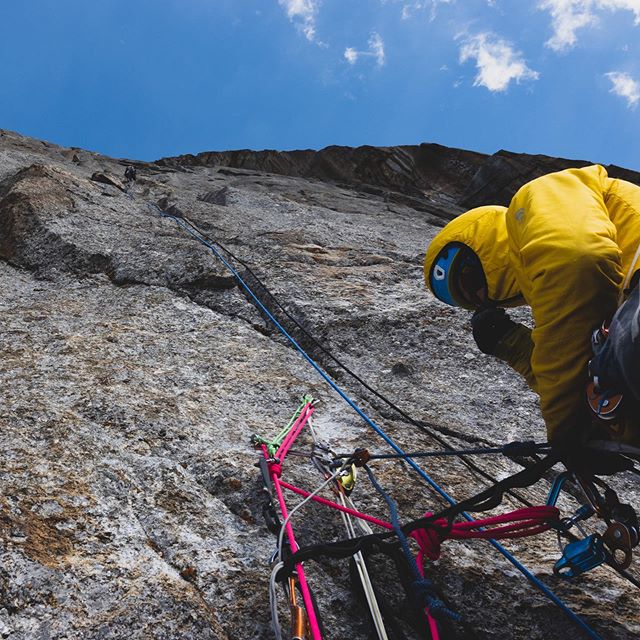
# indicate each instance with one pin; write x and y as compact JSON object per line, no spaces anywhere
{"x":457,"y":277}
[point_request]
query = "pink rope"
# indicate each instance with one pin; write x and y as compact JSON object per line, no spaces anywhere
{"x":516,"y":524}
{"x":276,"y":470}
{"x":295,"y":424}
{"x":287,"y":438}
{"x":531,"y":522}
{"x":298,"y":425}
{"x":304,"y":587}
{"x":335,"y":505}
{"x":433,"y":625}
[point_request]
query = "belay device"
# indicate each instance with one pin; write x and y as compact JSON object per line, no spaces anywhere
{"x":426,"y":532}
{"x":614,"y":546}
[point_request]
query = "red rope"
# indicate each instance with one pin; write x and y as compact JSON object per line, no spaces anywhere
{"x":516,"y":524}
{"x":520,"y":523}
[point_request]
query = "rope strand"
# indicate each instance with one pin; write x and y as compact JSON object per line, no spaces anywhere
{"x":535,"y":581}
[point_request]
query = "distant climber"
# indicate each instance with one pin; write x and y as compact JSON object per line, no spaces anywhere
{"x":130,"y":174}
{"x":569,"y":247}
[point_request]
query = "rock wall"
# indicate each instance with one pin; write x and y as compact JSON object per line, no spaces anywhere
{"x":422,"y":172}
{"x":134,"y":372}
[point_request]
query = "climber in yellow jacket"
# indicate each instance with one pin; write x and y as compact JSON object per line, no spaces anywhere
{"x":569,"y":247}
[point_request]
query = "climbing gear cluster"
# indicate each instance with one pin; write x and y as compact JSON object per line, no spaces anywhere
{"x":614,"y":546}
{"x":427,"y":534}
{"x":604,"y":403}
{"x":399,"y":540}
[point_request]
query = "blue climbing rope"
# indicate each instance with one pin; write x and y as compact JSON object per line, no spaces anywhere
{"x":516,"y":563}
{"x":423,"y":586}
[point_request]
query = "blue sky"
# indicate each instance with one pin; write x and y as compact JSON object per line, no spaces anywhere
{"x":151,"y":78}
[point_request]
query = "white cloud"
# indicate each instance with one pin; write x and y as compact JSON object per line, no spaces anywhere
{"x":304,"y":14}
{"x":616,"y":5}
{"x":351,"y":55}
{"x":568,"y":16}
{"x":625,"y":86}
{"x":376,"y":50}
{"x":497,"y":62}
{"x":409,"y":9}
{"x":376,"y":45}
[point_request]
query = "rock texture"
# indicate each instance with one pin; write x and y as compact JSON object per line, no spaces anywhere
{"x":134,"y":371}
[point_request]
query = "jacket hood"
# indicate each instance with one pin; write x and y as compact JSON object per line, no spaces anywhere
{"x":484,"y":230}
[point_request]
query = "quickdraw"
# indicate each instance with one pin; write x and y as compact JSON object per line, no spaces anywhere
{"x":288,"y":556}
{"x":427,"y":534}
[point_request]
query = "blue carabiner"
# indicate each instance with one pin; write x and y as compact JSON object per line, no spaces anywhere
{"x":558,"y":483}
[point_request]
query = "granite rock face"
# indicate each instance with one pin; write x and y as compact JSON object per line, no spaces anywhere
{"x":134,"y":371}
{"x":504,"y":173}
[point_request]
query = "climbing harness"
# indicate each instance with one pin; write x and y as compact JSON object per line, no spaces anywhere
{"x":604,"y":403}
{"x":289,"y":556}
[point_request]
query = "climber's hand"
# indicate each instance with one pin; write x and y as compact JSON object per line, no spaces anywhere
{"x":490,"y":325}
{"x":589,"y":462}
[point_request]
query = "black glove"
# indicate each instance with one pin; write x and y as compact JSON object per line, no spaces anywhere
{"x":584,"y":461}
{"x":490,"y":325}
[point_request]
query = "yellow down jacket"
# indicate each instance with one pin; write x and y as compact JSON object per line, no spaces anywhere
{"x":567,"y":246}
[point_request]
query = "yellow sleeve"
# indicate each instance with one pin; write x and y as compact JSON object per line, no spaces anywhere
{"x":567,"y":262}
{"x":515,"y":349}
